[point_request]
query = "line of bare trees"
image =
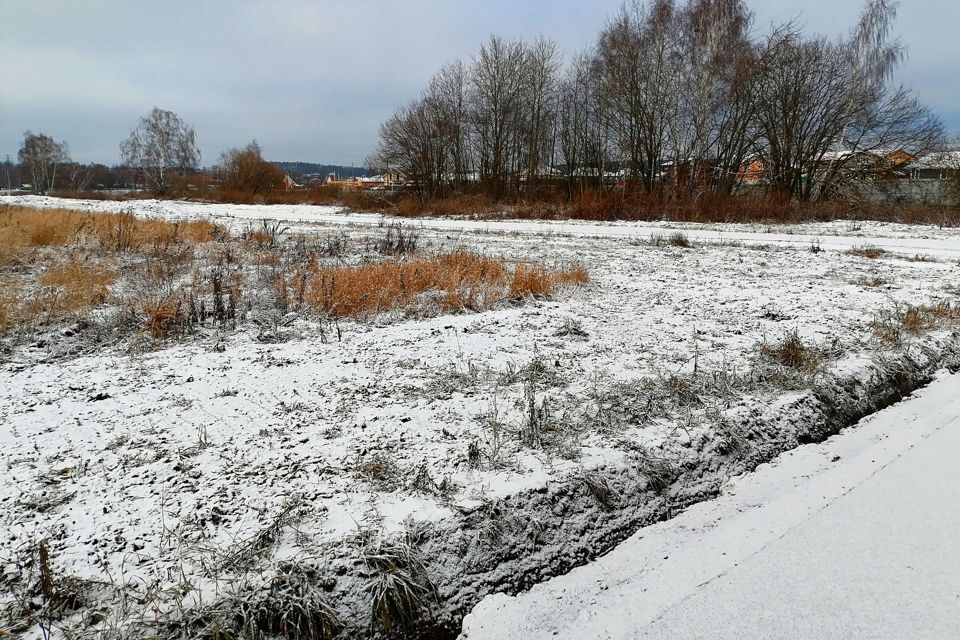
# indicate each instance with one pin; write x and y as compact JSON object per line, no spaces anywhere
{"x":160,"y":155}
{"x":674,"y":97}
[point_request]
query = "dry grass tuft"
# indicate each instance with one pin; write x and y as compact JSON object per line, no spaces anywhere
{"x":915,"y":320}
{"x":454,"y":281}
{"x":679,"y":239}
{"x":867,"y":251}
{"x":80,"y":284}
{"x":793,"y":353}
{"x":60,"y":292}
{"x":531,"y":280}
{"x":875,"y":281}
{"x":10,"y":291}
{"x":927,"y":317}
{"x":165,"y":317}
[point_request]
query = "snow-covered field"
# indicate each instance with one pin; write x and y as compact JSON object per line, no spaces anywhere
{"x":187,"y":474}
{"x":900,"y":238}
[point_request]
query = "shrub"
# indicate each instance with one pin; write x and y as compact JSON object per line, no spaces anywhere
{"x":244,"y":171}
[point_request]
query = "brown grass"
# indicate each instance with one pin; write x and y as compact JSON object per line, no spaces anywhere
{"x":10,"y":292}
{"x":915,"y":320}
{"x":83,"y":284}
{"x":679,"y":239}
{"x":60,"y":292}
{"x":166,"y":317}
{"x":587,"y":203}
{"x":538,"y":280}
{"x":927,"y":317}
{"x":867,"y":251}
{"x":25,"y":228}
{"x":82,"y":248}
{"x":592,"y":203}
{"x":793,"y":353}
{"x":453,"y":281}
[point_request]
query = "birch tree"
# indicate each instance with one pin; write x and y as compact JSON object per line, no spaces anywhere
{"x":41,"y":157}
{"x":159,"y":147}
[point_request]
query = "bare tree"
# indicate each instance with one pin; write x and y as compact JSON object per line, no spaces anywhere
{"x":41,"y":156}
{"x":638,"y":85}
{"x":677,"y":95}
{"x":161,"y":144}
{"x":882,"y":120}
{"x":496,"y":103}
{"x":412,"y":141}
{"x":8,"y":169}
{"x":448,"y":91}
{"x":541,"y":76}
{"x":826,"y":106}
{"x":802,"y":107}
{"x":576,"y":112}
{"x":715,"y":93}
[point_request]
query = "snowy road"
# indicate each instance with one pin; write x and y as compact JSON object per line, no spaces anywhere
{"x":853,"y":538}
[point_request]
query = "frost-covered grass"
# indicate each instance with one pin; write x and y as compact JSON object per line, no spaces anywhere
{"x":175,"y":482}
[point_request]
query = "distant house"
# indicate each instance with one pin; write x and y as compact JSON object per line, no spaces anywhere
{"x":942,"y":165}
{"x":288,"y":184}
{"x":388,"y":180}
{"x":700,"y":172}
{"x":751,"y":171}
{"x":881,"y":163}
{"x":899,"y":158}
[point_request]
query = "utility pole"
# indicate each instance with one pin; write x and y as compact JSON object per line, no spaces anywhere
{"x":6,"y":166}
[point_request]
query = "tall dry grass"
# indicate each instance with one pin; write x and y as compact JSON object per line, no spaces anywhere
{"x":155,"y":279}
{"x":60,"y":263}
{"x":461,"y":280}
{"x":63,"y":291}
{"x":10,"y":296}
{"x":25,"y":228}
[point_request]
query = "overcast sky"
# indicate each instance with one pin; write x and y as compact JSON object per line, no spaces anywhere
{"x":312,"y":79}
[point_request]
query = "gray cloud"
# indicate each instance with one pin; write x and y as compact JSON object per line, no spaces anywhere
{"x":311,"y":80}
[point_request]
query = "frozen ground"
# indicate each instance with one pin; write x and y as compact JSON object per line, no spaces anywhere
{"x":851,"y":538}
{"x":142,"y":468}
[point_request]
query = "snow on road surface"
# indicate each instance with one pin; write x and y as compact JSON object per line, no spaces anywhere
{"x":851,"y":538}
{"x":839,"y":235}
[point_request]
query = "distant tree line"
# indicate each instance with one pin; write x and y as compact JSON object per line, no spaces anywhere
{"x":44,"y":165}
{"x":300,"y":169}
{"x":675,"y":97}
{"x":160,"y":156}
